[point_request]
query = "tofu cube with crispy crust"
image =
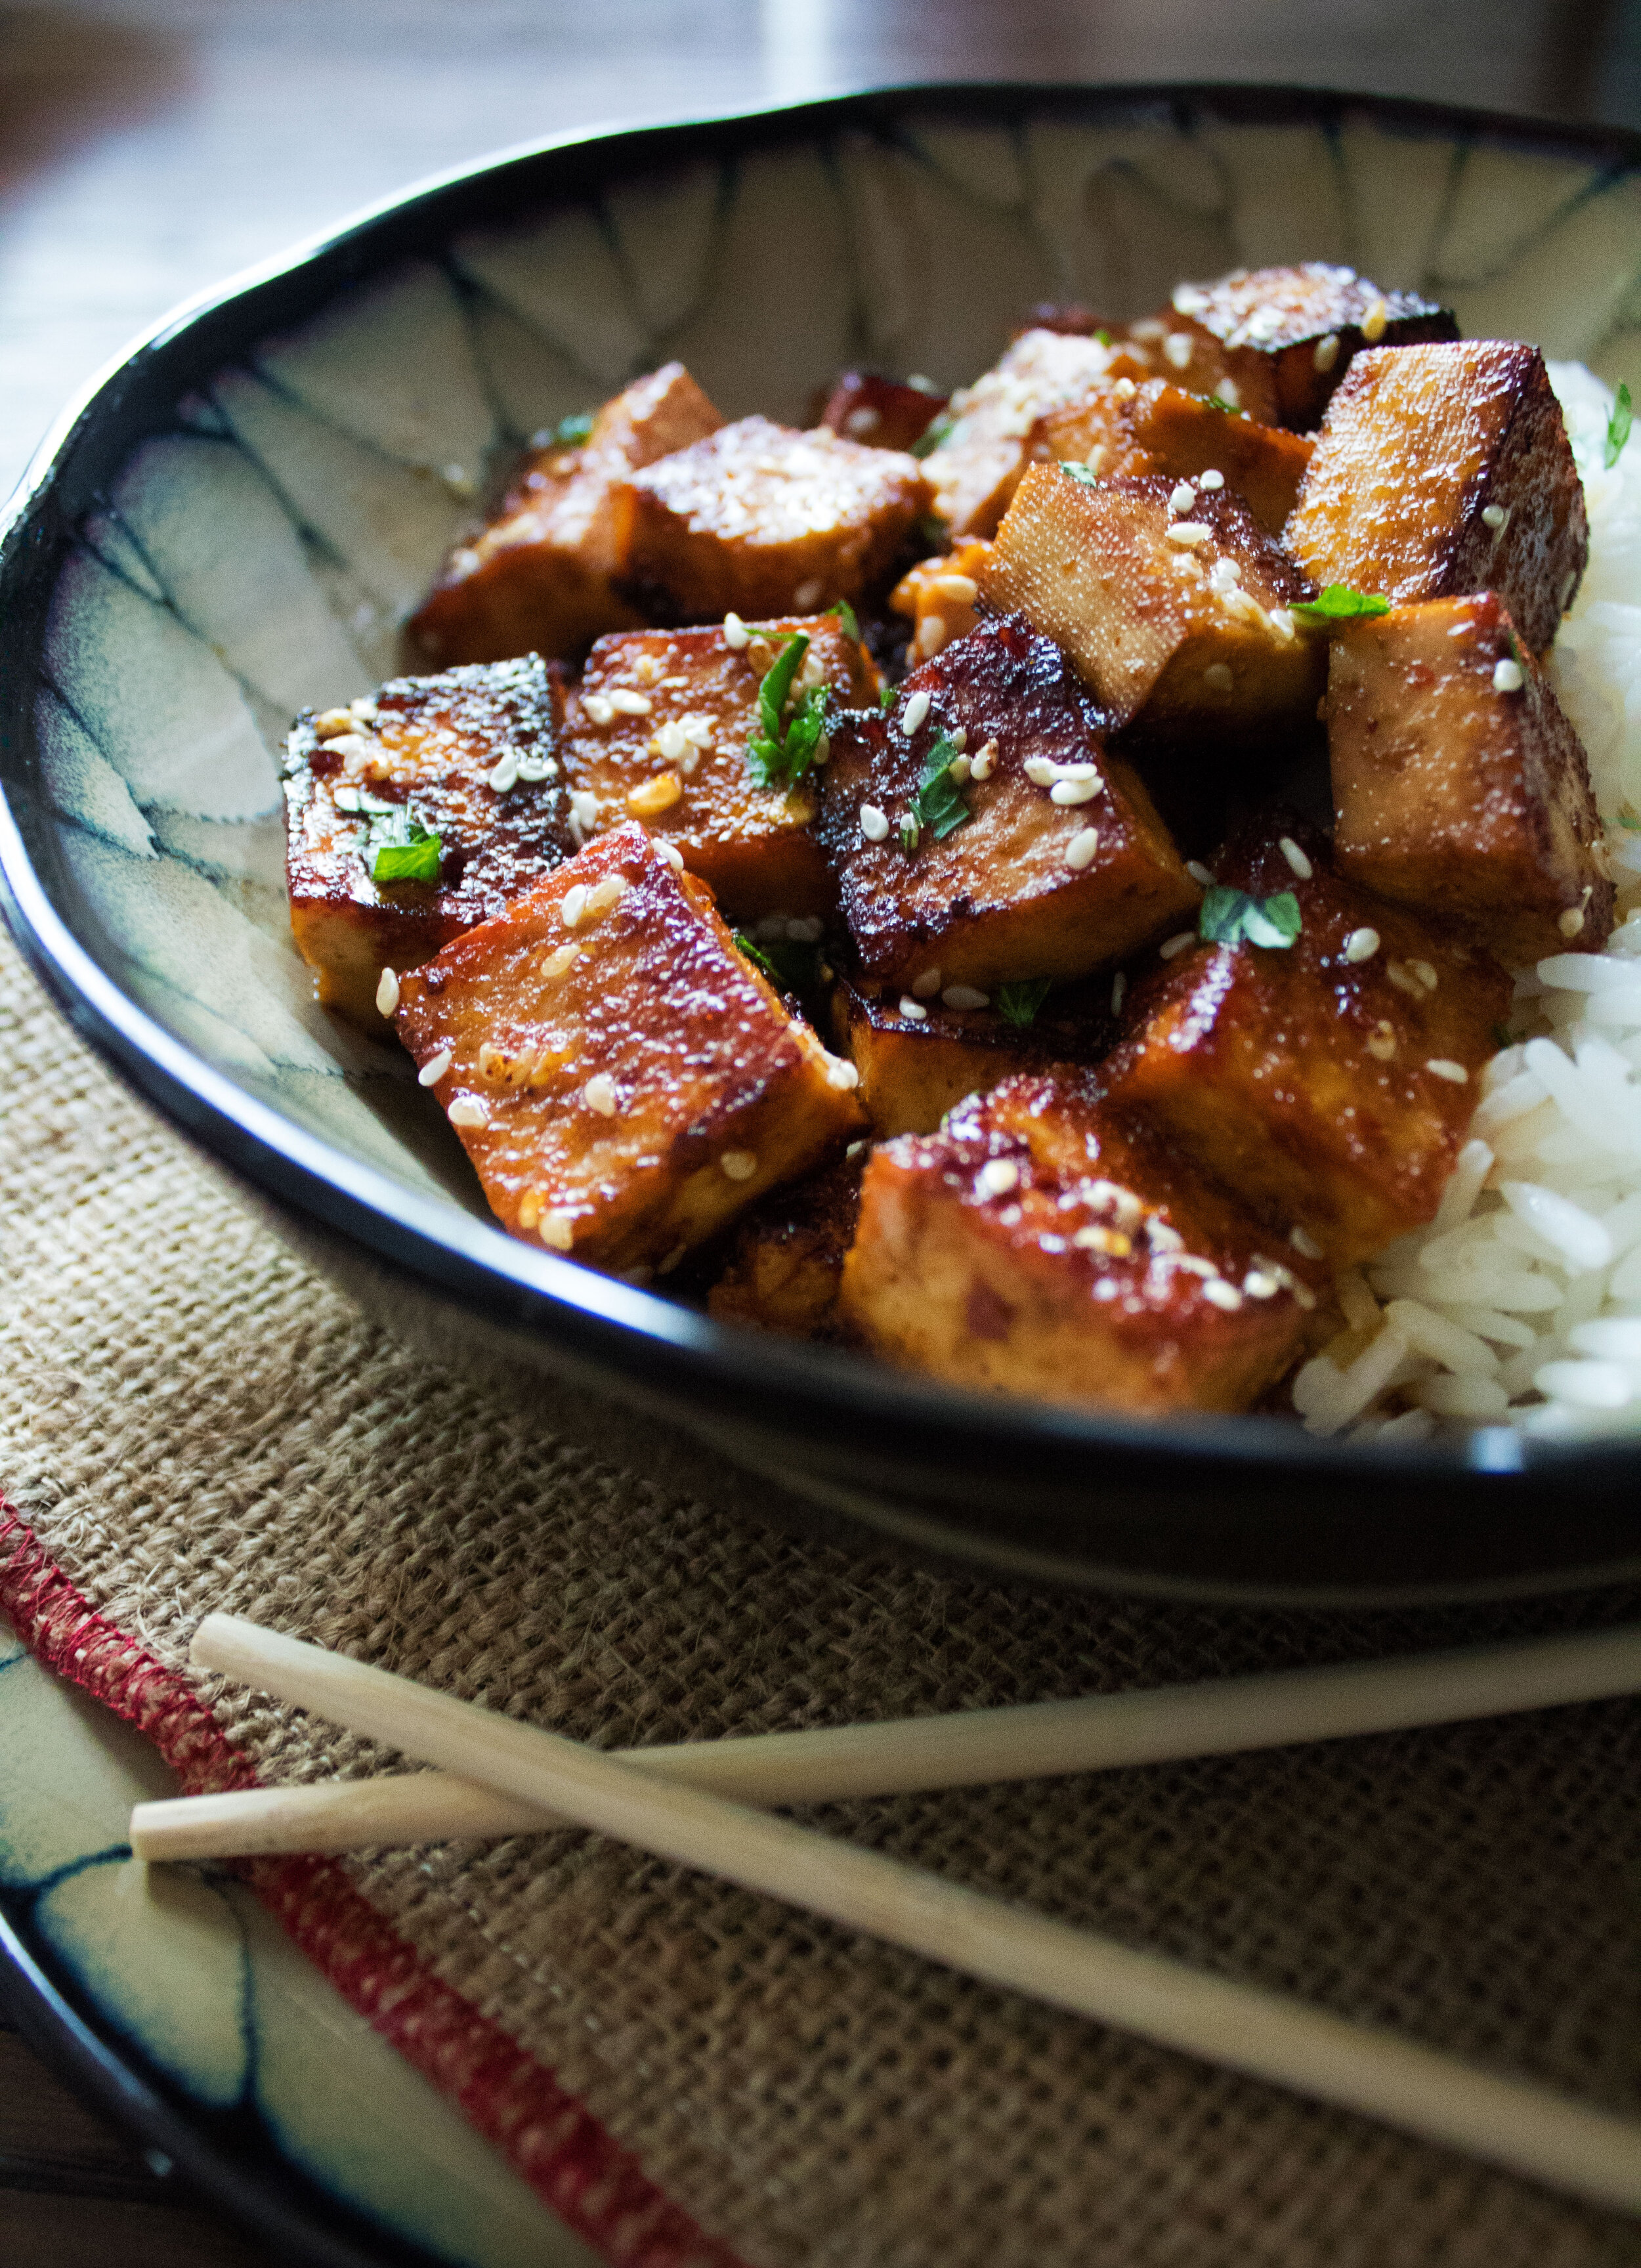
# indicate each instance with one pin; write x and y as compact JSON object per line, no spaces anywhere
{"x":1288,"y":335}
{"x":473,"y":757}
{"x":1328,"y":1083}
{"x":863,"y":406}
{"x":622,"y":1077}
{"x":982,"y":828}
{"x":659,"y":732}
{"x":1042,"y":1243}
{"x":786,"y":1262}
{"x":1458,"y":785}
{"x":763,"y":519}
{"x":1442,"y":470}
{"x":541,"y":575}
{"x":918,"y":1055}
{"x":1175,"y":614}
{"x":941,"y":595}
{"x":1159,"y":428}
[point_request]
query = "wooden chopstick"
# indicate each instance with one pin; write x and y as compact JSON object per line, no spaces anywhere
{"x":1531,"y":2131}
{"x":906,"y":1755}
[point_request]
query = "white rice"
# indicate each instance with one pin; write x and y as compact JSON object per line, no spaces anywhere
{"x":1520,"y":1304}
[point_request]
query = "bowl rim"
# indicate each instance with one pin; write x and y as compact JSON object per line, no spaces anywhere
{"x":668,"y":1355}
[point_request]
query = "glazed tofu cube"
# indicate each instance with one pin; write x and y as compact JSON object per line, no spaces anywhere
{"x":1041,"y":1244}
{"x":941,"y":597}
{"x":1158,"y":427}
{"x":763,"y":519}
{"x":881,"y":411}
{"x":786,"y":1263}
{"x":1176,"y":616}
{"x":980,"y":829}
{"x":1442,"y":470}
{"x":622,"y":1079}
{"x":917,"y":1057}
{"x":1288,"y":335}
{"x":659,"y":732}
{"x":1327,"y":1083}
{"x":541,"y":575}
{"x":1458,"y":785}
{"x":473,"y":758}
{"x":985,"y":448}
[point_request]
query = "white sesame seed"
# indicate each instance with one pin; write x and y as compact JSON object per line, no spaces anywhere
{"x":1282,"y":623}
{"x":1381,"y":1041}
{"x":533,"y":768}
{"x":913,"y":1009}
{"x":584,"y":814}
{"x":996,"y":1177}
{"x":1374,"y":321}
{"x":1192,"y":1265}
{"x":364,"y":709}
{"x":574,"y":906}
{"x":597,"y":709}
{"x":1444,"y":1067}
{"x":965,"y":996}
{"x":959,"y":738}
{"x":670,"y":742}
{"x":863,"y":421}
{"x":1177,"y":944}
{"x":467,"y":1110}
{"x":1125,"y":389}
{"x":1178,"y":347}
{"x":387,"y":992}
{"x":1296,"y":858}
{"x":874,"y":824}
{"x":1223,"y":576}
{"x":957,"y":590}
{"x":330,"y":722}
{"x":646,"y":669}
{"x":630,"y":704}
{"x":1161,"y":1238}
{"x":1210,"y":479}
{"x":735,"y":633}
{"x":1199,"y":873}
{"x":559,"y":959}
{"x":925,"y":987}
{"x":434,"y":1069}
{"x":1217,"y":677}
{"x":1181,"y":499}
{"x":1495,"y":515}
{"x":931,"y":636}
{"x":1067,"y":793}
{"x":980,"y":766}
{"x":1079,"y":852}
{"x":959,"y":769}
{"x":1189,"y":534}
{"x":1325,"y":353}
{"x":738,"y":1164}
{"x":1304,"y":1243}
{"x":352,"y":747}
{"x":1229,"y":393}
{"x":1508,"y":676}
{"x":1571,"y":921}
{"x":504,"y":772}
{"x":1041,"y":771}
{"x":916,"y":709}
{"x":841,"y":1075}
{"x":672,"y":855}
{"x":1424,"y":974}
{"x":1119,"y":992}
{"x":559,"y":1229}
{"x":1256,"y":1284}
{"x":599,"y":1095}
{"x":698,"y":730}
{"x":608,"y":892}
{"x":1361,"y":945}
{"x":1221,"y":1294}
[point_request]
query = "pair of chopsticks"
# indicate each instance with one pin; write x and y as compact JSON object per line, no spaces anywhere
{"x":691,"y":1803}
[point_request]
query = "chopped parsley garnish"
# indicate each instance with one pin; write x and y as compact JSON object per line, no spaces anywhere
{"x":936,"y":430}
{"x":571,"y":431}
{"x":1232,"y":917}
{"x":1074,"y":471}
{"x":783,"y":749}
{"x":909,"y":833}
{"x":1618,"y":427}
{"x":848,"y":621}
{"x":789,"y":966}
{"x":937,"y":804}
{"x":1017,"y":1003}
{"x":1501,"y":1036}
{"x":401,"y":849}
{"x":1339,"y":603}
{"x":1104,"y":337}
{"x":887,"y":698}
{"x":1218,"y":401}
{"x":1628,"y":820}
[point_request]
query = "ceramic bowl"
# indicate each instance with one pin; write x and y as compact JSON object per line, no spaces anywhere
{"x":234,"y":523}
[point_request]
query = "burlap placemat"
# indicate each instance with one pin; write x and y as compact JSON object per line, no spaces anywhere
{"x":189,"y":1418}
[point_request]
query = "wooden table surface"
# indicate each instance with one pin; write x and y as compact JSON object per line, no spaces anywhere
{"x":150,"y":147}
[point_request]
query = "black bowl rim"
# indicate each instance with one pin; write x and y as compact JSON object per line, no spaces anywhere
{"x":671,"y":1356}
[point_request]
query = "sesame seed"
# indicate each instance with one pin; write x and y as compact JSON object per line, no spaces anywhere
{"x":1041,"y":771}
{"x":807,"y":596}
{"x":1111,"y":1242}
{"x":1178,"y":346}
{"x":364,"y":709}
{"x":1444,"y":1067}
{"x":1217,"y":678}
{"x":574,"y":906}
{"x":1221,"y":1294}
{"x":1374,"y":321}
{"x":530,"y":1208}
{"x":504,"y":773}
{"x":670,"y":741}
{"x":1193,"y":1265}
{"x":959,"y":769}
{"x":1256,"y":1284}
{"x":1199,"y":873}
{"x":996,"y":1177}
{"x":1210,"y":479}
{"x":1119,"y":992}
{"x":646,"y":669}
{"x":735,"y":633}
{"x":841,"y":1075}
{"x":537,"y":768}
{"x":874,"y":824}
{"x":1381,"y":1041}
{"x":1079,"y":852}
{"x":1229,"y":393}
{"x":1305,"y":1244}
{"x":387,"y":992}
{"x":931,"y":636}
{"x":434,"y":1069}
{"x":863,"y":421}
{"x":329,"y":722}
{"x":559,"y":959}
{"x":980,"y":766}
{"x":1424,"y":974}
{"x":598,"y":709}
{"x":1067,"y":793}
{"x":1223,"y":576}
{"x":1325,"y":353}
{"x":630,"y":704}
{"x":925,"y":987}
{"x":672,"y":855}
{"x":959,"y":738}
{"x":599,"y":1095}
{"x":1161,"y":1238}
{"x":1181,"y":499}
{"x":1571,"y":921}
{"x":652,"y":796}
{"x":965,"y":996}
{"x":1296,"y":858}
{"x":1508,"y":677}
{"x":913,"y":1009}
{"x":584,"y":814}
{"x":738,"y":1164}
{"x":559,"y":1229}
{"x":1177,"y":944}
{"x":1361,"y":945}
{"x":467,"y":1110}
{"x":608,"y":892}
{"x":1497,"y":516}
{"x":916,"y":709}
{"x":1189,"y":534}
{"x":1282,"y":623}
{"x":958,"y":590}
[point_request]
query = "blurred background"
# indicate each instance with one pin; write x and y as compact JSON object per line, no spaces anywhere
{"x":148,"y":148}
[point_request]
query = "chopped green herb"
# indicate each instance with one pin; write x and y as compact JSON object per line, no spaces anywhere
{"x":782,"y":750}
{"x":1339,"y":603}
{"x":1628,"y":819}
{"x":1218,"y":401}
{"x":887,"y":698}
{"x":909,"y":833}
{"x":1618,"y":427}
{"x":929,"y":439}
{"x":1232,"y":917}
{"x":937,"y":804}
{"x":933,"y":531}
{"x":789,"y":966}
{"x":848,"y":620}
{"x":401,"y":849}
{"x":1501,"y":1036}
{"x":1017,"y":1003}
{"x":1104,"y":337}
{"x":1074,"y":471}
{"x":571,"y":431}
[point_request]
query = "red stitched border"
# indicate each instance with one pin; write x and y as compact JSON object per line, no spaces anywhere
{"x":560,"y":2148}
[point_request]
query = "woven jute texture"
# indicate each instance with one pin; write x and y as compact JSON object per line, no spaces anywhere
{"x":192,"y":1419}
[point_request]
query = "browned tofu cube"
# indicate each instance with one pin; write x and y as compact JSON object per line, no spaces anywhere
{"x":917,"y":1056}
{"x":1458,"y":785}
{"x":941,"y":597}
{"x":1158,"y":427}
{"x":1327,"y":1083}
{"x":881,"y":411}
{"x":1446,"y":470}
{"x":472,"y":758}
{"x":981,"y":455}
{"x":1043,"y":1244}
{"x":763,"y":519}
{"x":622,"y":1079}
{"x":1288,"y":335}
{"x":659,"y":732}
{"x":541,"y":575}
{"x":786,"y":1264}
{"x":1176,"y":615}
{"x":981,"y":832}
